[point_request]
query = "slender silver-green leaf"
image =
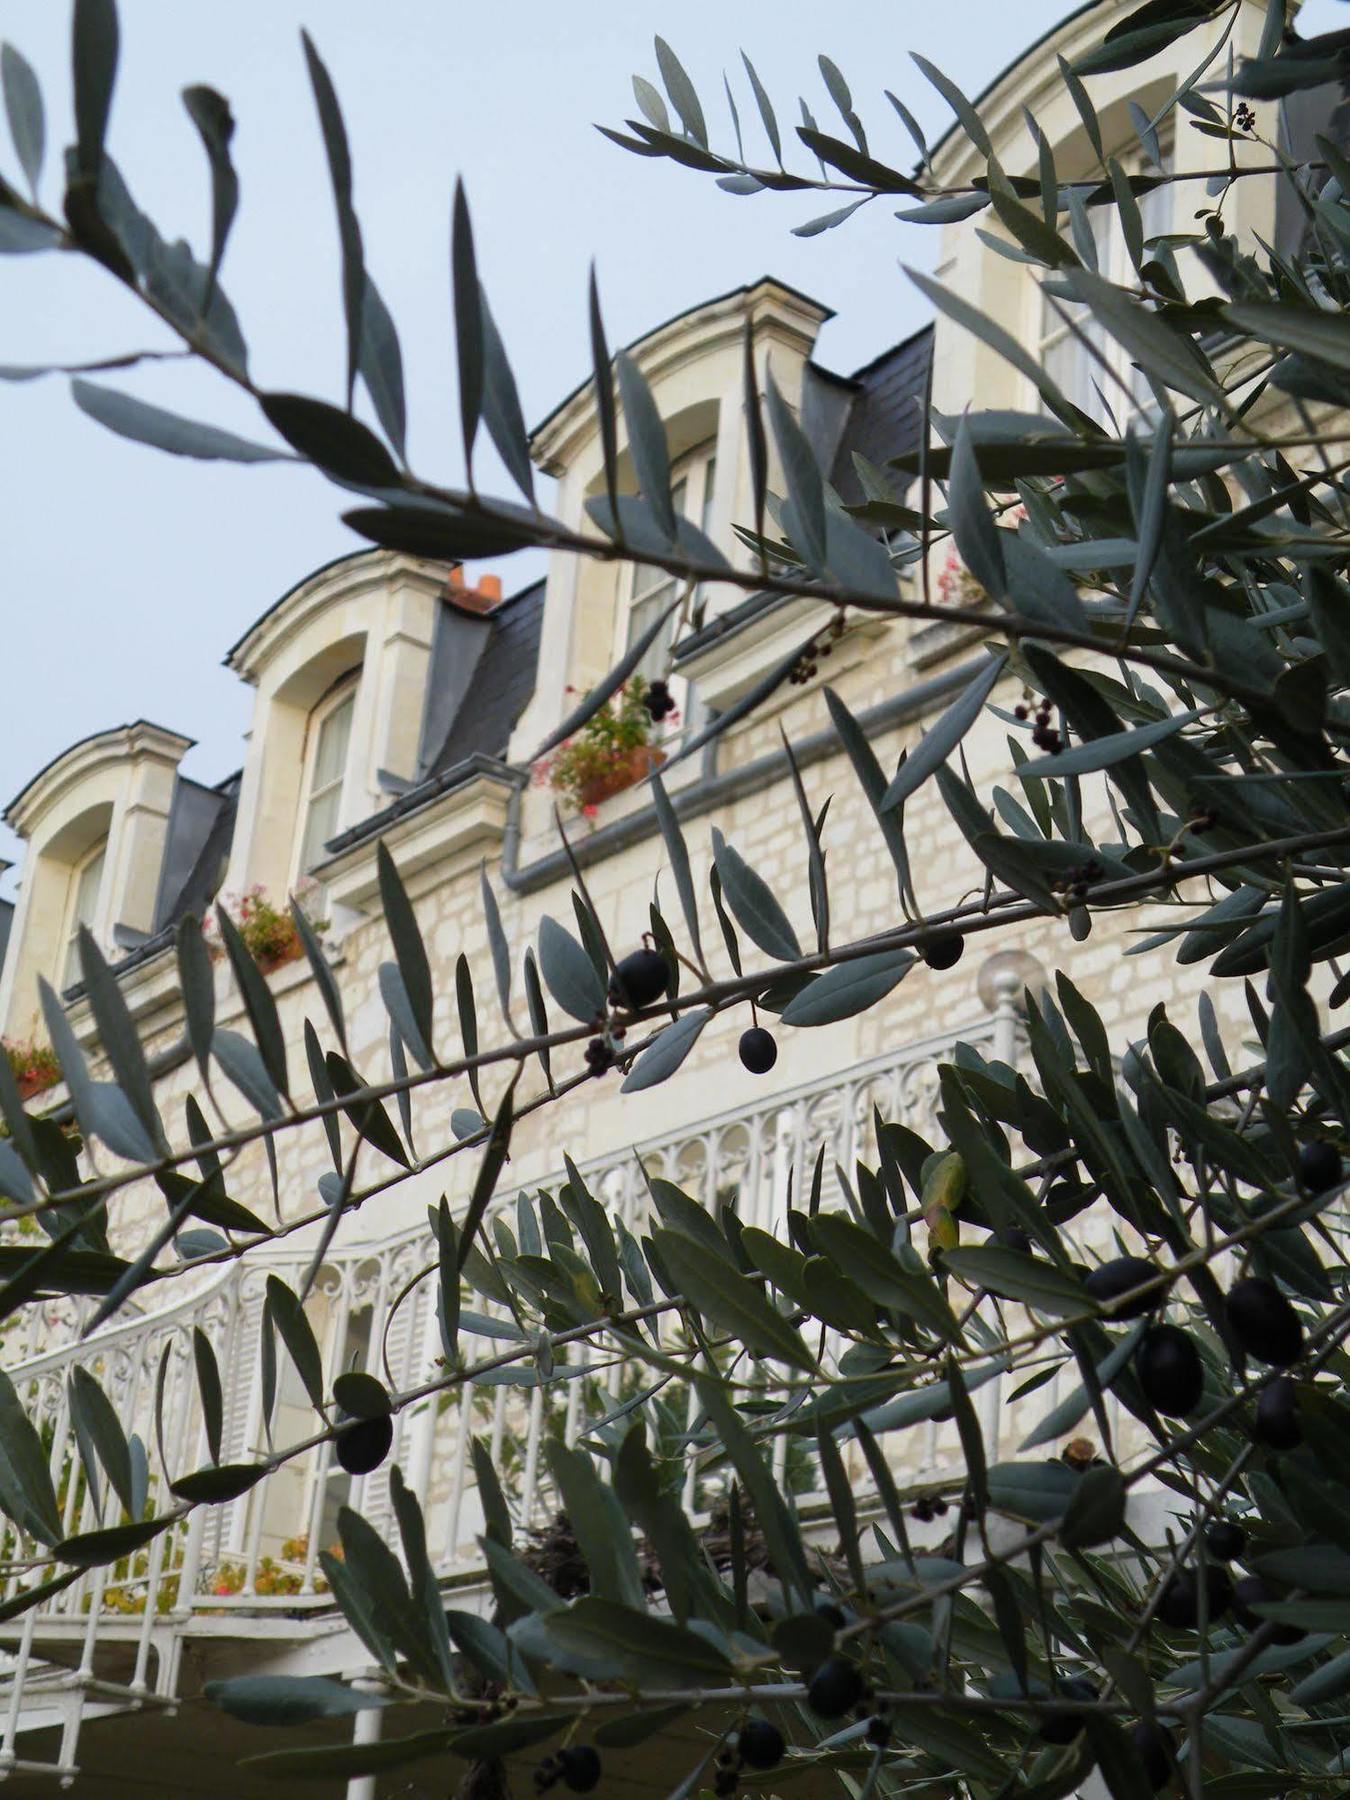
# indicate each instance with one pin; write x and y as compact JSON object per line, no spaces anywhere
{"x":406,"y":937}
{"x":349,"y":231}
{"x":468,"y":322}
{"x":678,"y":854}
{"x":117,"y":1034}
{"x":94,"y":46}
{"x":485,"y":1182}
{"x":104,"y":1430}
{"x":659,"y":1061}
{"x":534,"y":1000}
{"x":239,"y":1059}
{"x":146,"y":424}
{"x":320,"y":969}
{"x":872,"y":779}
{"x":604,"y":396}
{"x":501,"y":404}
{"x":209,"y":1389}
{"x":497,"y":945}
{"x":849,"y":988}
{"x":936,"y":745}
{"x":801,"y":472}
{"x":210,"y":113}
{"x":570,"y":973}
{"x":289,"y":1699}
{"x":292,"y":1323}
{"x":978,"y":539}
{"x":647,"y":443}
{"x":1103,"y":752}
{"x":26,"y":1491}
{"x":468,"y":1020}
{"x":103,"y":1111}
{"x":753,"y":902}
{"x":380,"y":366}
{"x":23,"y":108}
{"x":1156,"y":346}
{"x":258,"y":1001}
{"x":394,"y":993}
{"x":967,"y":117}
{"x":197,"y":984}
{"x":682,"y":93}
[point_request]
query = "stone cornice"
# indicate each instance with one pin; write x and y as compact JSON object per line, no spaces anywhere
{"x":769,"y":305}
{"x":91,"y":757}
{"x":350,"y":577}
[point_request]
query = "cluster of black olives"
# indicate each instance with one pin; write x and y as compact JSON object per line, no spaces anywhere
{"x":658,"y":701}
{"x":577,"y":1766}
{"x":1043,"y":733}
{"x":836,"y":1688}
{"x":1179,"y":1602}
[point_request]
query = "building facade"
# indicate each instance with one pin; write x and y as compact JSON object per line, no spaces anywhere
{"x":396,"y":705}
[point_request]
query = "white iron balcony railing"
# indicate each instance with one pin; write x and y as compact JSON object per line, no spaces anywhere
{"x":261,"y":1551}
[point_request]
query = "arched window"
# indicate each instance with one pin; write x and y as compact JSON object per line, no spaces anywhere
{"x":330,"y":733}
{"x":85,"y":884}
{"x":650,"y":591}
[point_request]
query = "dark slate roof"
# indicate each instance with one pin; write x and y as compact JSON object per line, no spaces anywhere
{"x":196,"y":849}
{"x":887,"y":411}
{"x":502,"y":685}
{"x":491,"y":662}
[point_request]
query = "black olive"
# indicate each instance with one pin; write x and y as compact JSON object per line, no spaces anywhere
{"x":1277,"y":1422}
{"x":580,"y":1767}
{"x":1169,"y":1369}
{"x":760,"y":1744}
{"x":1064,"y":1727}
{"x":1264,"y":1322}
{"x":1153,"y":1746}
{"x":835,"y":1688}
{"x":364,"y":1444}
{"x":725,"y":1783}
{"x":639,"y":980}
{"x":1225,"y":1540}
{"x":1013,"y":1238}
{"x":1319,"y":1166}
{"x":943,"y":949}
{"x":1117,"y":1277}
{"x":832,"y":1614}
{"x":878,"y":1730}
{"x":758,"y":1051}
{"x":1179,"y":1606}
{"x":1252,"y":1591}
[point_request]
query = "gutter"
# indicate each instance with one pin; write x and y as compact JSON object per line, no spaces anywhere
{"x":715,"y":789}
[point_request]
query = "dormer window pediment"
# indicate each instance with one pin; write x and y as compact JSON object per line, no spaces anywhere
{"x":96,"y":821}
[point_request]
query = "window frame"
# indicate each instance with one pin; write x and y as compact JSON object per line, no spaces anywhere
{"x":342,"y":693}
{"x":1052,"y":330}
{"x":693,"y":481}
{"x":71,"y":971}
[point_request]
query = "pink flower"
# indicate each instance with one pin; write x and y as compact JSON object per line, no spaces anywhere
{"x":590,"y":810}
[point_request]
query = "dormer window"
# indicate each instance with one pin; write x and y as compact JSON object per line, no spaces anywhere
{"x":85,"y":886}
{"x":330,"y":736}
{"x":651,"y":590}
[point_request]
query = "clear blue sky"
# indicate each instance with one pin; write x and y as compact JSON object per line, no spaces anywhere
{"x":126,"y":573}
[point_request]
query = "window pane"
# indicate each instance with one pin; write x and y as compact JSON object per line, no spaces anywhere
{"x":640,"y":618}
{"x":326,"y":779}
{"x":330,"y":755}
{"x":84,"y":905}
